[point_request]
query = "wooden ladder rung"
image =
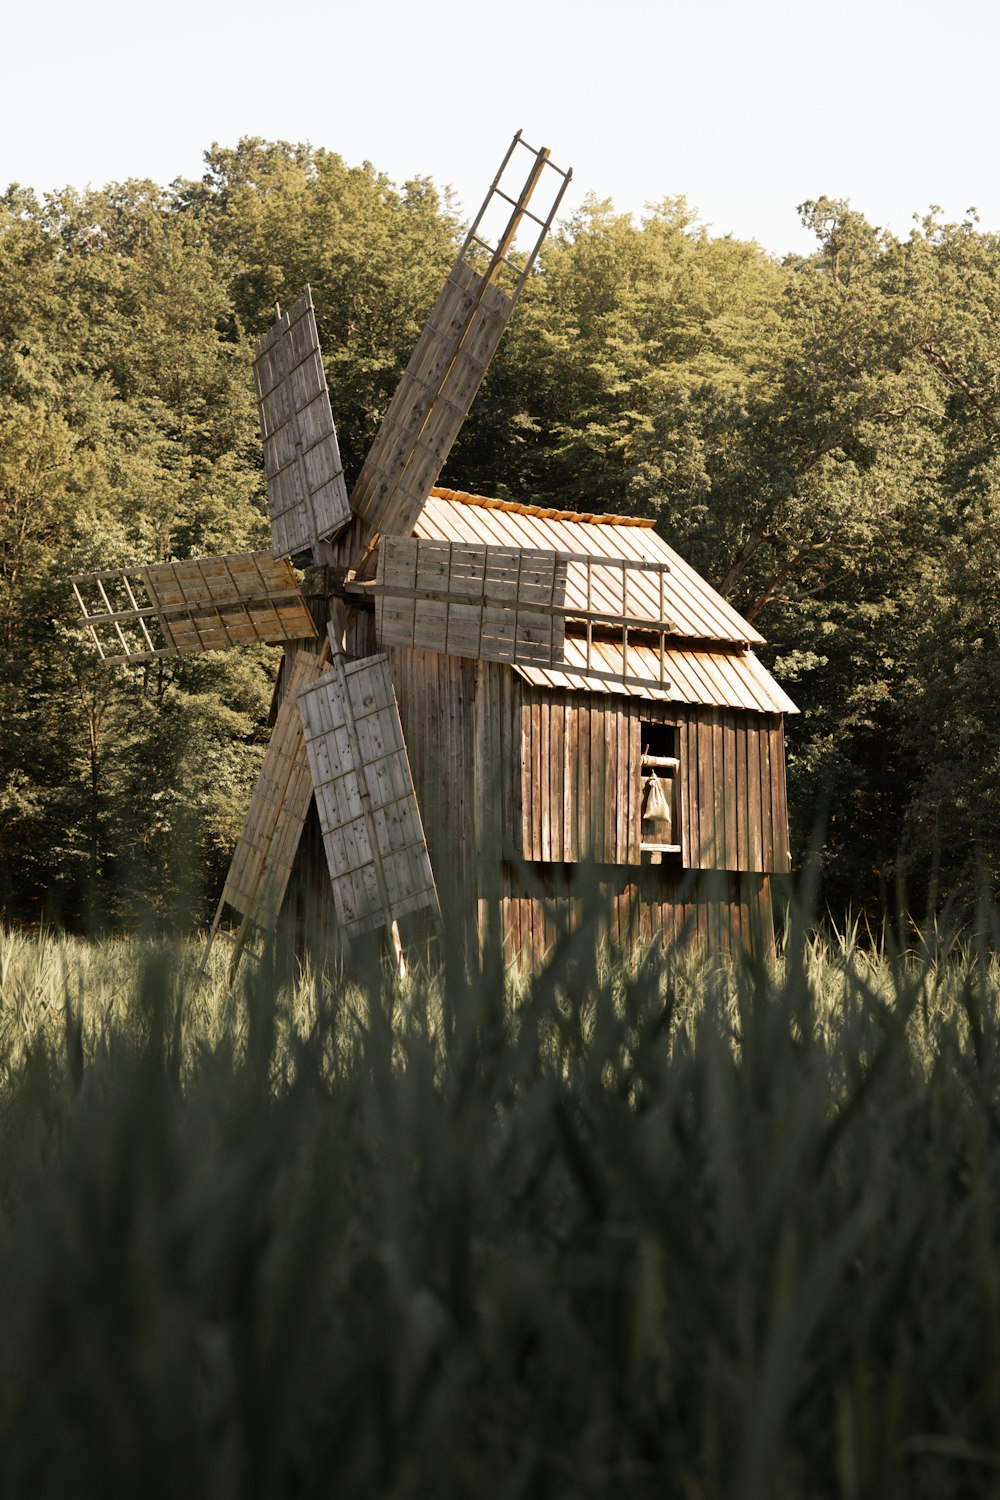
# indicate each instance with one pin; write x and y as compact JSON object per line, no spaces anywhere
{"x":230,"y":938}
{"x":537,"y":151}
{"x":504,"y":260}
{"x":516,"y":203}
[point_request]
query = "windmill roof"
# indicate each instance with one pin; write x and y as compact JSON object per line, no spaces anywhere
{"x":711,"y":665}
{"x":697,"y":610}
{"x":520,"y":508}
{"x":719,"y":679}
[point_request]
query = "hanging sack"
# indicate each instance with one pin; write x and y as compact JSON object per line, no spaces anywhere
{"x":655,"y":803}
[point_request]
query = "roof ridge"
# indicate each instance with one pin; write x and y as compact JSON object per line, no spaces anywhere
{"x":517,"y":507}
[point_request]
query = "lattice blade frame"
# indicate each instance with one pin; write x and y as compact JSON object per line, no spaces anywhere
{"x":199,"y":604}
{"x":306,"y":491}
{"x":431,"y":402}
{"x":514,"y":604}
{"x":464,"y":599}
{"x":373,"y":836}
{"x":265,"y":852}
{"x":448,"y":365}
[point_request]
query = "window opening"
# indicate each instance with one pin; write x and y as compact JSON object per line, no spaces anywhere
{"x":659,"y":830}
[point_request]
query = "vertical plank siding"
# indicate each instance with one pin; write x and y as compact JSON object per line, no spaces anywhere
{"x":720,"y":912}
{"x":756,"y":859}
{"x":782,"y":855}
{"x":689,"y":789}
{"x":580,"y":781}
{"x":437,"y":699}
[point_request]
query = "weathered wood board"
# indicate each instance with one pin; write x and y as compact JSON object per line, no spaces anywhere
{"x":372,"y":833}
{"x":432,"y":401}
{"x":199,"y":604}
{"x":262,"y":861}
{"x":727,"y":790}
{"x":469,"y":600}
{"x":306,"y":491}
{"x":715,"y":910}
{"x":452,"y":355}
{"x":513,"y":604}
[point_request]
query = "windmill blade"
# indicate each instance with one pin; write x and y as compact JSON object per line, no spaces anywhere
{"x":452,"y":355}
{"x":265,"y":851}
{"x":465,"y":599}
{"x":200,"y":604}
{"x":373,"y":836}
{"x":430,"y":403}
{"x":306,"y":491}
{"x":521,"y":605}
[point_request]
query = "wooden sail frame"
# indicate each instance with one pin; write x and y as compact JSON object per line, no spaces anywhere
{"x":263,"y":858}
{"x":262,"y":861}
{"x":431,"y":402}
{"x":198,"y":604}
{"x":373,"y":835}
{"x":451,"y":358}
{"x":306,"y":490}
{"x":516,"y":604}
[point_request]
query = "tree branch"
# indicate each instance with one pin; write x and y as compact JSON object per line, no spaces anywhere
{"x":959,"y":383}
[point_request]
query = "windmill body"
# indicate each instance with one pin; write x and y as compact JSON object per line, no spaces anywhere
{"x":482,"y":691}
{"x":534,"y":769}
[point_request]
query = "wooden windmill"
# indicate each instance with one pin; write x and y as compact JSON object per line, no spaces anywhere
{"x":573,"y":692}
{"x":337,"y":735}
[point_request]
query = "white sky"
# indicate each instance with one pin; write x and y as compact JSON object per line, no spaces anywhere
{"x":747,"y":108}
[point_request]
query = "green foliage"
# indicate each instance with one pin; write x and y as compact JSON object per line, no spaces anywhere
{"x":634,"y":350}
{"x":127,"y":434}
{"x":656,"y":1229}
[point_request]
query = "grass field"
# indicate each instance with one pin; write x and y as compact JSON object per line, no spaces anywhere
{"x":657,"y":1228}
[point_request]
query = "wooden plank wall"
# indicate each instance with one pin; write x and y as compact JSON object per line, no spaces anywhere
{"x":437,"y":696}
{"x":718,"y":911}
{"x":579,"y":777}
{"x":734,"y":812}
{"x":580,"y":782}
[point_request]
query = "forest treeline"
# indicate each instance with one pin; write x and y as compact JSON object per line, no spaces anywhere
{"x":820,"y":436}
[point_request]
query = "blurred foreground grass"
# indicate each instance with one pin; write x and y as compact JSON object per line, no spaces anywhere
{"x":657,"y":1228}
